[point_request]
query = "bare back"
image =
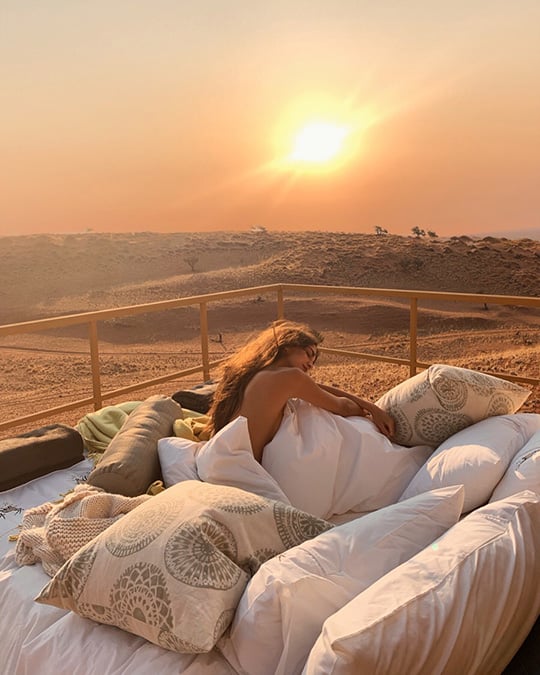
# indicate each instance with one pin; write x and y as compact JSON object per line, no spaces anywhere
{"x":267,"y":394}
{"x":263,"y":405}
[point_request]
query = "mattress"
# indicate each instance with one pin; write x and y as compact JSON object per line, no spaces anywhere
{"x":409,"y":582}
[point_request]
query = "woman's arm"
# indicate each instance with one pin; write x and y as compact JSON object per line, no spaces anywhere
{"x":294,"y":383}
{"x":270,"y":390}
{"x":383,"y":421}
{"x":267,"y":394}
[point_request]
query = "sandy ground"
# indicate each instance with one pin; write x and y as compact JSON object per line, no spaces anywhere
{"x":50,"y":275}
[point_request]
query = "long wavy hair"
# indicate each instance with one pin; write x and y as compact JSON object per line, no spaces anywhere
{"x":260,"y":352}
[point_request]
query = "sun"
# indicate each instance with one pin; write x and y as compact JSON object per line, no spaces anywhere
{"x":318,"y":143}
{"x":316,"y":135}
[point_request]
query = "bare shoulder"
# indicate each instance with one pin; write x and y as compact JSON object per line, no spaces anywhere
{"x":278,"y":384}
{"x":278,"y":377}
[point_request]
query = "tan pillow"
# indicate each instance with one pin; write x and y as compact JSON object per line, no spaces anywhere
{"x":173,"y":569}
{"x":440,"y":401}
{"x":131,"y":463}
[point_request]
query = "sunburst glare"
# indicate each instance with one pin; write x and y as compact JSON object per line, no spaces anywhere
{"x":318,"y":142}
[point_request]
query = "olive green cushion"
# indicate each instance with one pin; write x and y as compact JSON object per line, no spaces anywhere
{"x":38,"y":452}
{"x":131,"y":463}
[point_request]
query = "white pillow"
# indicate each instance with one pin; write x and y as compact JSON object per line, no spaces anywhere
{"x":462,"y":605}
{"x":438,"y":402}
{"x":227,"y":459}
{"x":523,"y":472}
{"x":476,"y":457}
{"x":177,"y":459}
{"x":327,"y":464}
{"x":284,"y":606}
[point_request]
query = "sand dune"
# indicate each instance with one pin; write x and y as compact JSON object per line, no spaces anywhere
{"x":46,"y":275}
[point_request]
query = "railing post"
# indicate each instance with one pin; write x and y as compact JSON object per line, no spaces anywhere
{"x":280,"y":305}
{"x":94,"y":360}
{"x":413,"y":332}
{"x":203,"y":320}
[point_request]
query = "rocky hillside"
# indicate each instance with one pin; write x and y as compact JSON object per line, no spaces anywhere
{"x":42,"y":275}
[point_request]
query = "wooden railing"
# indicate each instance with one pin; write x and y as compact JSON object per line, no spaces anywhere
{"x":91,"y":320}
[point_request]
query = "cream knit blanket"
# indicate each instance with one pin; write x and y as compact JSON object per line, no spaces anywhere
{"x":53,"y":532}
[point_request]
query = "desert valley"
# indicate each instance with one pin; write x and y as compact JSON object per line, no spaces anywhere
{"x":51,"y":275}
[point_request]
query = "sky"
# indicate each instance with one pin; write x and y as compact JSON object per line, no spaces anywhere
{"x":170,"y":116}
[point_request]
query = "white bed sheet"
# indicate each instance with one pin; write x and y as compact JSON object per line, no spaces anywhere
{"x":36,"y":638}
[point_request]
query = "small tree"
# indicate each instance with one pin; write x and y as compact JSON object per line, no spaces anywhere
{"x":380,"y":230}
{"x":417,"y":231}
{"x":432,"y":234}
{"x":191,"y":259}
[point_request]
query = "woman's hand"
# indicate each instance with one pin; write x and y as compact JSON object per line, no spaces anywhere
{"x":382,"y":420}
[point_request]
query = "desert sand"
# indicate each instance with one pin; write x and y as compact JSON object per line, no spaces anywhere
{"x":49,"y":275}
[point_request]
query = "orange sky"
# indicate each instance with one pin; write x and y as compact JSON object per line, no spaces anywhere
{"x":169,"y":116}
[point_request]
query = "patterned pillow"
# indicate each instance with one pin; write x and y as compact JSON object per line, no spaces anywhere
{"x":440,"y":401}
{"x":173,"y":569}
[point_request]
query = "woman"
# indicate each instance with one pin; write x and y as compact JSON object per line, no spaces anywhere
{"x":260,"y":378}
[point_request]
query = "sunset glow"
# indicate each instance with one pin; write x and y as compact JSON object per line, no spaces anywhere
{"x":318,"y":142}
{"x":172,"y":116}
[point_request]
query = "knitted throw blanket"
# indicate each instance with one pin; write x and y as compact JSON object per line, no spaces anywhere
{"x":52,"y":532}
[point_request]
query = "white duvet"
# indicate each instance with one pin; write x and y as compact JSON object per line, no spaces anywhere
{"x":327,"y":464}
{"x":323,"y":463}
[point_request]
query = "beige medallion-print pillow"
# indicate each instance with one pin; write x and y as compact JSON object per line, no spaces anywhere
{"x":440,"y":401}
{"x":173,"y":569}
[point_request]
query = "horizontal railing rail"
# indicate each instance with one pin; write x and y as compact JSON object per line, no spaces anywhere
{"x":91,"y":319}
